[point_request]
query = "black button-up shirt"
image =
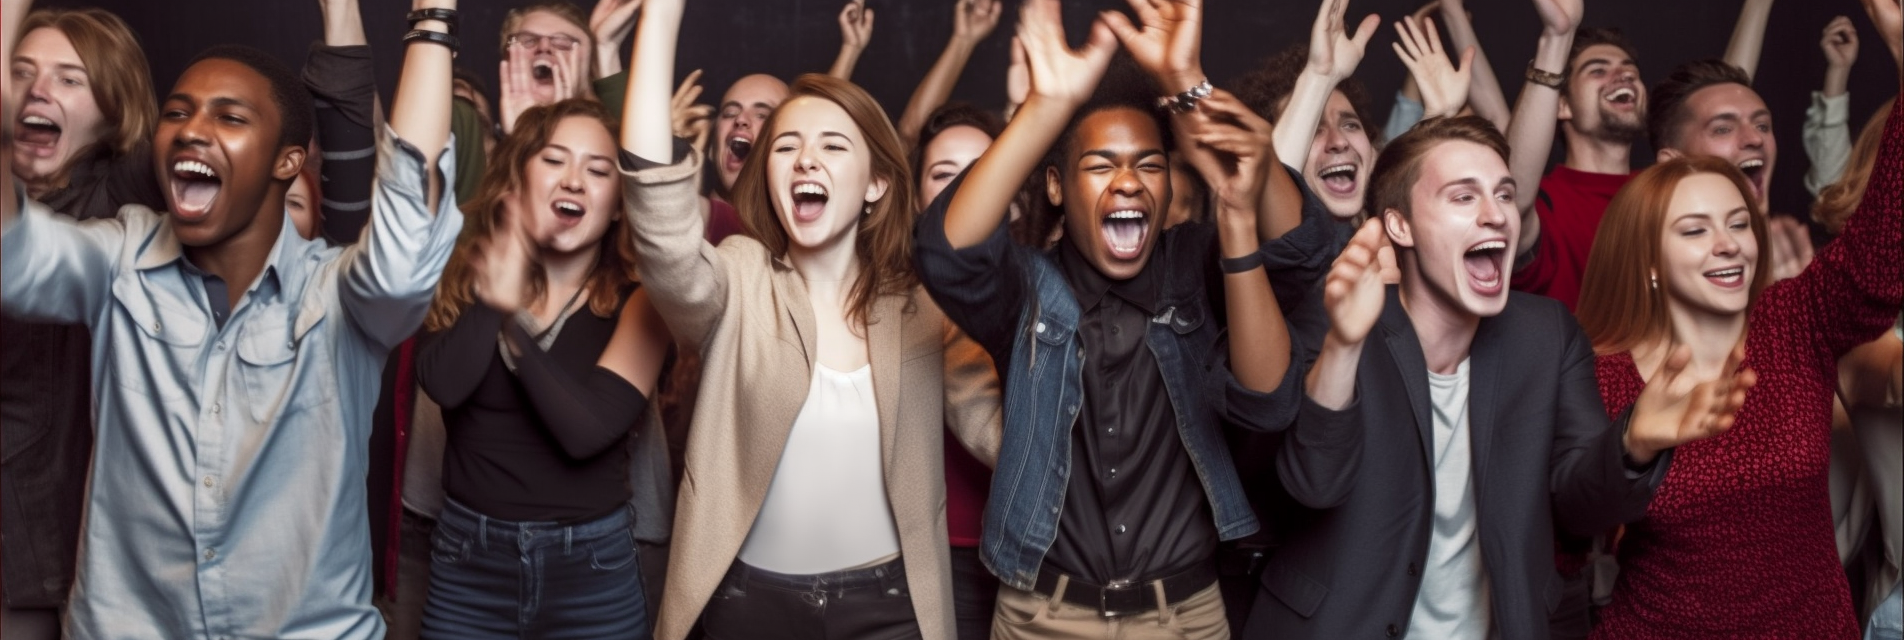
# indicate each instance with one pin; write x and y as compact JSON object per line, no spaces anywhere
{"x":1134,"y":508}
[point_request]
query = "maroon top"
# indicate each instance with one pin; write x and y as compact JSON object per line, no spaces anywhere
{"x":1570,"y":207}
{"x":1738,"y":542}
{"x":722,"y":221}
{"x":968,"y":483}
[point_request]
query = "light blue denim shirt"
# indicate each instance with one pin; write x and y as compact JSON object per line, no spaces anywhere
{"x":227,"y":497}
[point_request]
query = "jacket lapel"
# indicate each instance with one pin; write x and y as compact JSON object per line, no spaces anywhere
{"x":1405,"y":347}
{"x":794,"y":351}
{"x":884,"y":340}
{"x":1484,"y":365}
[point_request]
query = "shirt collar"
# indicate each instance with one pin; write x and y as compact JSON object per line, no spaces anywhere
{"x":164,"y":249}
{"x":1090,"y":286}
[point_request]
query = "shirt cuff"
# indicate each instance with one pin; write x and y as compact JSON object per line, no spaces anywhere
{"x":631,"y":163}
{"x":1832,"y":111}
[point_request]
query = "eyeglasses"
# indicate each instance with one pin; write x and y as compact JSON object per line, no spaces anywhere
{"x":561,"y":42}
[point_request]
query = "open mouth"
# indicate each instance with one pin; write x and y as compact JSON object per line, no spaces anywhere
{"x":1339,"y":179}
{"x":1730,"y":278}
{"x":569,"y":212}
{"x":1624,"y":96}
{"x":194,"y":187}
{"x":38,"y":134}
{"x":1484,"y":266}
{"x":543,"y":71}
{"x":1124,"y":232}
{"x":809,"y":201}
{"x":1754,"y":170}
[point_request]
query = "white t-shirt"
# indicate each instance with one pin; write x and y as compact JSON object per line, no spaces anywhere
{"x":827,"y":509}
{"x":1453,"y":602}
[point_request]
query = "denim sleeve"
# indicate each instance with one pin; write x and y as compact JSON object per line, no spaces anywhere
{"x":387,"y":280}
{"x":981,"y":288}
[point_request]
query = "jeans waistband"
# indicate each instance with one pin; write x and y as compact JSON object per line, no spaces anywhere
{"x":485,"y":531}
{"x":879,"y":576}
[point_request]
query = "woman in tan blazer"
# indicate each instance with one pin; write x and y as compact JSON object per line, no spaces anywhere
{"x":813,"y":504}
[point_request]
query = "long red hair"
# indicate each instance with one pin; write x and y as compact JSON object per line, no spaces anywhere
{"x":1620,"y":306}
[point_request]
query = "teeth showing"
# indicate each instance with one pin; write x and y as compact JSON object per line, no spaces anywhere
{"x":568,"y":207}
{"x":1125,"y":215}
{"x":809,"y":189}
{"x":193,"y":166}
{"x":1729,"y":275}
{"x":1621,"y":95}
{"x":1752,"y":164}
{"x":1348,"y":169}
{"x":37,"y":121}
{"x":1495,"y":245}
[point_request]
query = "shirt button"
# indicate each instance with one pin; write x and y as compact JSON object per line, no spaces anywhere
{"x":1115,"y":330}
{"x":1113,"y":472}
{"x":221,"y":345}
{"x":1392,"y":631}
{"x":217,"y":407}
{"x":210,"y":553}
{"x":1040,"y":328}
{"x":208,"y":482}
{"x":1414,"y":569}
{"x":290,"y":344}
{"x":1120,"y":529}
{"x":1111,"y":430}
{"x":1073,"y":408}
{"x":156,"y":326}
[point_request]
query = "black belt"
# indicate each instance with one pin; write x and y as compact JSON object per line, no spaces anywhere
{"x":1126,"y":597}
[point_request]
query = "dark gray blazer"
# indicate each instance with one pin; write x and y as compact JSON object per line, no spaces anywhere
{"x":1544,"y":455}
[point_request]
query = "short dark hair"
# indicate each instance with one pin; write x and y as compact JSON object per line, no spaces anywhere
{"x":1593,"y":37}
{"x":1266,"y":88}
{"x":287,"y":90}
{"x":1399,"y":165}
{"x":1124,"y":85}
{"x":1668,"y":98}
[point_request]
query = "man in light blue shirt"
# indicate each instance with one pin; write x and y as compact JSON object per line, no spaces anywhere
{"x":235,"y":364}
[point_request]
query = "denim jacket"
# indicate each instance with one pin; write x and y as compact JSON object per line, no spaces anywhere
{"x":1016,"y":302}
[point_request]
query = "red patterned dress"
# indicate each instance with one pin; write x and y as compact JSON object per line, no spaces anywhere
{"x":1738,"y":541}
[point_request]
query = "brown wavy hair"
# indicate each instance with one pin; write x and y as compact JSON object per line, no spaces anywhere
{"x":502,"y":178}
{"x":1837,"y":201}
{"x":115,"y":68}
{"x":884,"y":241}
{"x":1399,"y":165}
{"x":1620,"y":308}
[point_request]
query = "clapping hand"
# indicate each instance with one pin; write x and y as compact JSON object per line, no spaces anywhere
{"x":1334,"y":53}
{"x":1443,"y":86}
{"x":501,"y":263}
{"x":1354,"y":292}
{"x":1167,"y":43}
{"x":1675,"y":409}
{"x":1227,"y":143}
{"x":1056,"y":71}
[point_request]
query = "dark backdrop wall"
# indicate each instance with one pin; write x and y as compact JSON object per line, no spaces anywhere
{"x":730,"y":38}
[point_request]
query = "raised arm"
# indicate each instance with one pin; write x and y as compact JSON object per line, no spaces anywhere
{"x":343,"y":84}
{"x":856,"y":29}
{"x":420,"y":113}
{"x":1484,"y":92}
{"x":1888,"y":17}
{"x":1061,"y":80}
{"x":1827,"y":129}
{"x":610,"y":22}
{"x":1443,"y":86}
{"x":1748,"y":36}
{"x":1530,"y":135}
{"x":972,"y":22}
{"x":1333,"y":57}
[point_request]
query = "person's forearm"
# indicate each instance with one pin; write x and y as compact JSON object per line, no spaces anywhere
{"x":934,"y":88}
{"x":1484,"y":90}
{"x":1331,"y":381}
{"x":843,"y":64}
{"x":342,"y":84}
{"x":607,"y":60}
{"x":1836,"y":80}
{"x":646,"y":129}
{"x":343,"y":24}
{"x":993,"y":180}
{"x":451,"y":363}
{"x":1530,"y":136}
{"x":586,"y":413}
{"x":1259,"y":339}
{"x":1748,"y":36}
{"x":1296,"y":129}
{"x":420,"y":114}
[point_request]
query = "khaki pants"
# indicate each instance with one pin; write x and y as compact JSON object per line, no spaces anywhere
{"x":1024,"y":615}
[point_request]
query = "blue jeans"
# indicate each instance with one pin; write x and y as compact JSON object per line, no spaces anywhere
{"x":1887,"y":623}
{"x":493,"y":578}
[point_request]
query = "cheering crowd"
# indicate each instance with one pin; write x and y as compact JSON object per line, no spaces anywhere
{"x":1146,"y":355}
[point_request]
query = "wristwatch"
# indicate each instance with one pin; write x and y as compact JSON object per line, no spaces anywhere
{"x":1544,"y":78}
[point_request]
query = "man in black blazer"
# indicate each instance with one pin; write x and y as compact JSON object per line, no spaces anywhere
{"x":1476,"y":420}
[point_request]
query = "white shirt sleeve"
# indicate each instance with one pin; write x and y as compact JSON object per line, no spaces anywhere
{"x":1827,"y":136}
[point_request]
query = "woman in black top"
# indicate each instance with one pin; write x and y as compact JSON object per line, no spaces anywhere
{"x":542,"y":350}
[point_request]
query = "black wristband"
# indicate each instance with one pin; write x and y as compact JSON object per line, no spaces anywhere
{"x":447,"y":16}
{"x":437,"y":37}
{"x":1242,"y":264}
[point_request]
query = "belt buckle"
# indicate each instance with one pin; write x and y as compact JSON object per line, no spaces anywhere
{"x":1103,"y":597}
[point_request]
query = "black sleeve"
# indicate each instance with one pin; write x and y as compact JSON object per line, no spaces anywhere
{"x":981,"y":288}
{"x":1319,"y":458}
{"x":1593,"y":488}
{"x":586,"y":415}
{"x":344,"y":91}
{"x":452,"y":363}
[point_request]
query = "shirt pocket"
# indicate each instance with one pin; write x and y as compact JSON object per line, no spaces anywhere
{"x":283,"y":366}
{"x":155,"y":356}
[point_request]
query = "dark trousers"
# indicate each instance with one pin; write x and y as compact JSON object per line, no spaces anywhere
{"x":493,"y":578}
{"x":974,"y":594}
{"x":861,"y":604}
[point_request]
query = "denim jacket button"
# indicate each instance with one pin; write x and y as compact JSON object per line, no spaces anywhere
{"x":1040,"y":328}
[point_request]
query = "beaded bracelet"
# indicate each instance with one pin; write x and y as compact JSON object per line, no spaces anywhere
{"x":1187,"y":101}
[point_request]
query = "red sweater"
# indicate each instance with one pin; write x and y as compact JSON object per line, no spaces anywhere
{"x":1738,"y":541}
{"x":1570,"y":208}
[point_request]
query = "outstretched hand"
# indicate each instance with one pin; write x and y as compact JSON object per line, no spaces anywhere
{"x":1229,"y":144}
{"x":1354,"y":292}
{"x":691,"y":121}
{"x":1334,"y":53}
{"x":1166,"y":42}
{"x":1675,"y":409}
{"x":1443,"y":86}
{"x":1056,"y":71}
{"x":1559,"y":17}
{"x":974,"y":20}
{"x":856,"y":25}
{"x":1840,"y":43}
{"x":1791,"y":246}
{"x":611,"y":21}
{"x":501,"y":263}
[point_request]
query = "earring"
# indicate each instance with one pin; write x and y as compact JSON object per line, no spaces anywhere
{"x":1655,"y":279}
{"x":867,"y":211}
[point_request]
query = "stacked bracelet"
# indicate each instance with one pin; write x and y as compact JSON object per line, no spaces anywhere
{"x":1187,"y":101}
{"x":1242,"y":264}
{"x":446,"y":16}
{"x":446,"y":38}
{"x":437,"y":37}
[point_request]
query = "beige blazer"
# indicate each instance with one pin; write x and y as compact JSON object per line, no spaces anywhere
{"x":747,"y":313}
